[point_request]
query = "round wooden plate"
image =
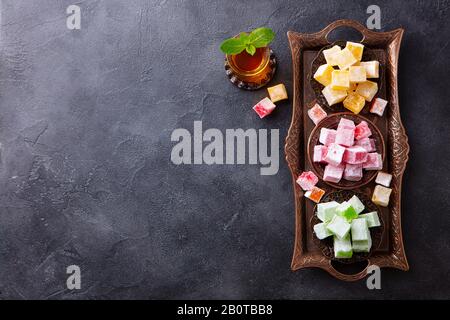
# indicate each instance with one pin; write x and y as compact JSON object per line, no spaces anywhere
{"x":326,"y":245}
{"x":331,"y":122}
{"x":320,"y":60}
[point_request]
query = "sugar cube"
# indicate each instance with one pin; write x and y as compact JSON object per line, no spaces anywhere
{"x":346,"y":210}
{"x":333,"y":173}
{"x":339,"y":226}
{"x":362,"y":130}
{"x":384,"y":179}
{"x":329,"y":55}
{"x":334,"y":154}
{"x":327,"y":136}
{"x":340,"y":80}
{"x":315,"y":194}
{"x":264,"y":107}
{"x":345,"y":59}
{"x":354,"y":102}
{"x":355,"y":155}
{"x":326,"y":210}
{"x":320,"y":153}
{"x":307,"y":180}
{"x":357,"y":74}
{"x":366,"y":143}
{"x":372,"y":219}
{"x":323,"y":74}
{"x":362,"y":245}
{"x":356,"y":49}
{"x":345,"y":137}
{"x":359,"y":229}
{"x":316,"y":114}
{"x":353,"y":172}
{"x":367,"y":89}
{"x":372,"y":68}
{"x":356,"y":204}
{"x":333,"y":96}
{"x":378,"y":106}
{"x":346,"y":124}
{"x":373,"y":162}
{"x":321,"y":231}
{"x":381,"y":196}
{"x":342,"y":248}
{"x":277,"y":93}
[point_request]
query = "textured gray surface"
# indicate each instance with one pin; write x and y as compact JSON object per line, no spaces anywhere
{"x":85,"y":175}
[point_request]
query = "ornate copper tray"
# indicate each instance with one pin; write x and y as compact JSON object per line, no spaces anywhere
{"x":304,"y":49}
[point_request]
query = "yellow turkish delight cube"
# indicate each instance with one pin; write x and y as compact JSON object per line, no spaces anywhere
{"x":367,"y":89}
{"x":329,"y":55}
{"x":345,"y":59}
{"x":333,"y":96}
{"x":372,"y":68}
{"x":381,"y":196}
{"x":357,"y":74}
{"x":340,"y":80}
{"x":323,"y":74}
{"x":354,"y":102}
{"x":277,"y":93}
{"x":356,"y":49}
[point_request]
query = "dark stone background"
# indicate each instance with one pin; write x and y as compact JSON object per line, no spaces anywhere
{"x":85,"y":173}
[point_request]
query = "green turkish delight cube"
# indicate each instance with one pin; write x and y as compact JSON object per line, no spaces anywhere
{"x":362,"y":245}
{"x":359,"y":229}
{"x":339,"y":226}
{"x":372,"y":219}
{"x":346,"y":210}
{"x":321,"y":231}
{"x":326,"y":210}
{"x":343,"y":247}
{"x":356,"y":204}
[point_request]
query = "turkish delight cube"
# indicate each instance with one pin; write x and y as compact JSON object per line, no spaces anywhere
{"x":339,"y":226}
{"x":340,"y":80}
{"x":333,"y":173}
{"x":264,"y":107}
{"x":372,"y":68}
{"x":342,"y":248}
{"x":359,"y":229}
{"x":345,"y":137}
{"x":366,"y":143}
{"x":316,"y":114}
{"x":357,"y":74}
{"x":353,"y":172}
{"x":335,"y":154}
{"x":384,"y":179}
{"x":355,"y":155}
{"x":373,"y":162}
{"x":277,"y":93}
{"x":352,"y":87}
{"x":345,"y":59}
{"x":346,"y":124}
{"x":333,"y":96}
{"x":326,"y":210}
{"x":354,"y":102}
{"x":381,"y":196}
{"x":327,"y":136}
{"x":362,"y":130}
{"x":321,"y":231}
{"x":372,"y":219}
{"x":367,"y":89}
{"x":356,"y":204}
{"x":346,"y":210}
{"x":320,"y":153}
{"x":315,"y":194}
{"x":356,"y":49}
{"x":307,"y":180}
{"x":323,"y":74}
{"x":378,"y":106}
{"x":330,"y":56}
{"x":362,"y":245}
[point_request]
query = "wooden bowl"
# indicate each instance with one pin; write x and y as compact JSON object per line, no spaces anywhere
{"x":320,"y":60}
{"x":331,"y":122}
{"x":326,"y":245}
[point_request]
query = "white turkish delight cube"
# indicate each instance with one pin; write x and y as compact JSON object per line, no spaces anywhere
{"x":320,"y":153}
{"x":333,"y":173}
{"x":359,"y":229}
{"x":356,"y":204}
{"x":362,"y":245}
{"x":374,"y":162}
{"x":327,"y":136}
{"x":345,"y":137}
{"x":384,"y":179}
{"x":335,"y":154}
{"x":378,"y":106}
{"x":353,"y":172}
{"x":342,"y":247}
{"x":355,"y":155}
{"x":346,"y":124}
{"x":326,"y":210}
{"x":321,"y":231}
{"x":372,"y":219}
{"x":339,"y":227}
{"x":316,"y":114}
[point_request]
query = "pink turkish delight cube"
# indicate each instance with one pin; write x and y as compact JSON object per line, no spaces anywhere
{"x":327,"y":136}
{"x":345,"y":137}
{"x":264,"y":107}
{"x":378,"y":106}
{"x":346,"y":124}
{"x":316,"y":114}
{"x":320,"y":153}
{"x":374,"y":162}
{"x":335,"y":154}
{"x":333,"y":173}
{"x":355,"y":155}
{"x":307,"y":180}
{"x":362,"y":130}
{"x":366,"y":143}
{"x":353,"y":172}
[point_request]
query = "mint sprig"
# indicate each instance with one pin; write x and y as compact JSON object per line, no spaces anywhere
{"x":258,"y":38}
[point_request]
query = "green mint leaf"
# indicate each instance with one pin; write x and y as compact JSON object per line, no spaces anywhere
{"x":244,"y":37}
{"x":261,"y":37}
{"x":232,"y":46}
{"x":250,"y":49}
